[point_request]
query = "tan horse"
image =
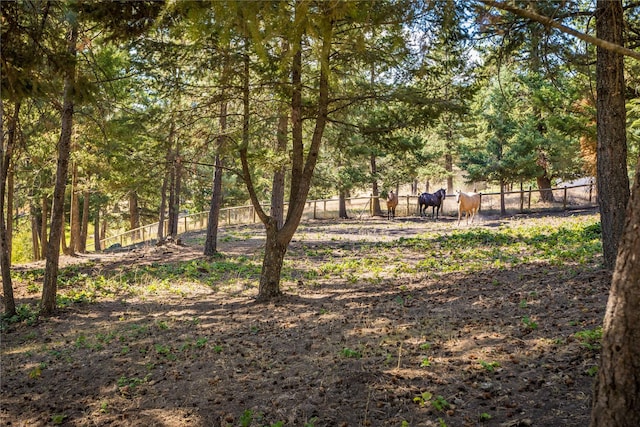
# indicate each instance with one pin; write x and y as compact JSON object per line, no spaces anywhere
{"x":469,"y":203}
{"x":392,"y":203}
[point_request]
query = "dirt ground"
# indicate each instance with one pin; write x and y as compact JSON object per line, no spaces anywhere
{"x":495,"y":347}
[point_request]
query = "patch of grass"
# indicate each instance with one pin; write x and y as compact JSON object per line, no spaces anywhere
{"x":349,"y":353}
{"x":489,"y":366}
{"x":590,"y":338}
{"x":529,"y":323}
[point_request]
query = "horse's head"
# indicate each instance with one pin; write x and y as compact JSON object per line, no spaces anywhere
{"x":457,"y":196}
{"x":443,"y":193}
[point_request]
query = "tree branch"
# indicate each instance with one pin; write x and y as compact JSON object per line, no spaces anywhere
{"x":548,"y":22}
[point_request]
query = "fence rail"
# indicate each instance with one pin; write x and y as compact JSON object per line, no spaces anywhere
{"x":515,"y":201}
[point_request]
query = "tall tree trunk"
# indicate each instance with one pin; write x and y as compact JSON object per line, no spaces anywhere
{"x":277,"y":240}
{"x":82,"y":244}
{"x":375,"y":192}
{"x":342,"y":204}
{"x":74,"y":215}
{"x":616,"y":400}
{"x":63,"y":232}
{"x":35,"y":234}
{"x":448,"y":165}
{"x":277,"y":192}
{"x":6,"y":153}
{"x":503,"y":210}
{"x":134,"y":213}
{"x":44,"y":217}
{"x":50,"y":284}
{"x":211,"y":242}
{"x":96,"y":230}
{"x":9,"y":224}
{"x":163,"y":206}
{"x":613,"y":181}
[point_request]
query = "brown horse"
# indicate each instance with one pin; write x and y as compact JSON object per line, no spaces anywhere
{"x":392,"y":202}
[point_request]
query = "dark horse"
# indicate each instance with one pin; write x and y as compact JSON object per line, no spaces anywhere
{"x":427,"y":199}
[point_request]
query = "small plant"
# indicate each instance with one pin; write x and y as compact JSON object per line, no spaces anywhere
{"x":592,"y":371}
{"x":484,"y":417}
{"x":531,"y":324}
{"x":104,"y":407}
{"x":217,"y":348}
{"x":201,"y":342}
{"x":404,"y":423}
{"x":489,"y":366}
{"x":425,"y":346}
{"x":58,"y":419}
{"x":590,"y":338}
{"x":440,"y":403}
{"x":523,"y":303}
{"x":423,"y":398}
{"x":425,"y":363}
{"x":441,"y":422}
{"x":354,"y":354}
{"x":162,"y":325}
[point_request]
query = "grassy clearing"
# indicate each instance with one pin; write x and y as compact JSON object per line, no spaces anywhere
{"x":572,"y":242}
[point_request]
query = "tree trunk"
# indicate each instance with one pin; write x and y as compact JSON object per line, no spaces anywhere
{"x":44,"y":217}
{"x":6,"y":153}
{"x":503,"y":210}
{"x":544,"y":187}
{"x":274,"y":252}
{"x":613,"y":181}
{"x":74,"y":216}
{"x":277,"y":193}
{"x":35,"y":235}
{"x":134,"y":214}
{"x":163,"y":205}
{"x":211,"y":242}
{"x":96,"y":230}
{"x":82,"y":244}
{"x":448,"y":165}
{"x":375,"y":192}
{"x":9,"y":223}
{"x":616,"y":400}
{"x":342,"y":204}
{"x":277,"y":240}
{"x":50,"y":284}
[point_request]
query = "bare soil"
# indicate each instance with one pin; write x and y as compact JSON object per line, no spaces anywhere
{"x":495,"y":347}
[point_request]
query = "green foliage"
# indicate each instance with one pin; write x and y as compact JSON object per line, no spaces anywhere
{"x":349,"y":353}
{"x":590,"y":338}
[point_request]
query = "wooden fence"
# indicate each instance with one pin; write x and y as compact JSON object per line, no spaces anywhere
{"x":528,"y":200}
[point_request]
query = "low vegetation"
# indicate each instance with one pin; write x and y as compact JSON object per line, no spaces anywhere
{"x":406,"y":322}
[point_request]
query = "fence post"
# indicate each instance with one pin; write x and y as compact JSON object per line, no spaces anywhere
{"x":480,"y":205}
{"x":564,"y":199}
{"x":529,"y":202}
{"x":590,"y":190}
{"x":371,"y":206}
{"x":521,"y":197}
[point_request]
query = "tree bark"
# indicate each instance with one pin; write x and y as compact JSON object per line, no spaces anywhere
{"x":50,"y":284}
{"x":82,"y":244}
{"x":6,"y":153}
{"x":277,"y":193}
{"x":134,"y":213}
{"x":211,"y":242}
{"x":44,"y":217}
{"x":163,"y":203}
{"x":375,"y":192}
{"x":74,"y":215}
{"x":613,"y":181}
{"x":544,"y":187}
{"x":342,"y":204}
{"x":616,"y":400}
{"x":96,"y":230}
